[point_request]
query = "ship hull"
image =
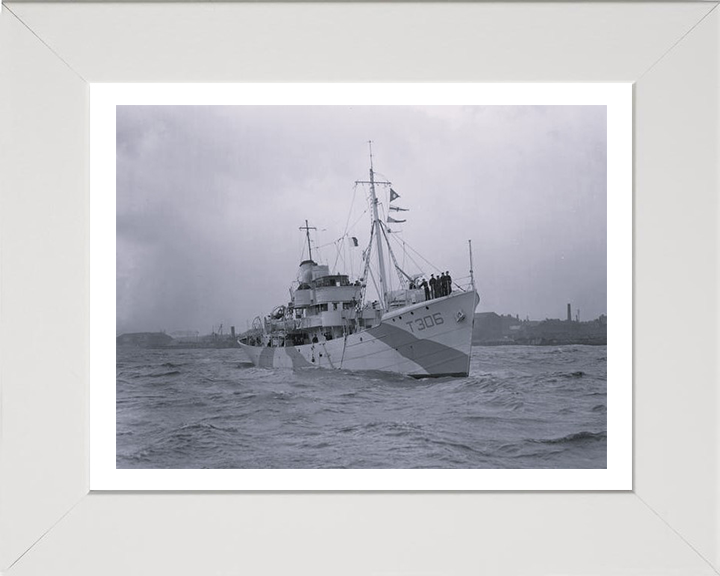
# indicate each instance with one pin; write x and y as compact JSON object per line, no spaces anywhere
{"x":428,"y":339}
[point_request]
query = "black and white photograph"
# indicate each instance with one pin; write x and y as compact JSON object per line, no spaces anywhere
{"x":361,"y":287}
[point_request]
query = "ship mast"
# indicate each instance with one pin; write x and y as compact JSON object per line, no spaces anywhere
{"x":307,"y":229}
{"x":378,"y":234}
{"x":378,"y":230}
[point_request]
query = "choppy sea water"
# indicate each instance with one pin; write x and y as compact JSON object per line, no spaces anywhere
{"x":521,"y":407}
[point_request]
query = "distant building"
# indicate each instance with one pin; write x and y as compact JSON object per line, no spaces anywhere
{"x":564,"y":332}
{"x":487,"y":328}
{"x":144,"y":340}
{"x":185,"y":335}
{"x":493,"y":329}
{"x":510,"y":325}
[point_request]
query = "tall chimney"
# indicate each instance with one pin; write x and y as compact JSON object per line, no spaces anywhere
{"x":232,"y":331}
{"x":569,"y":317}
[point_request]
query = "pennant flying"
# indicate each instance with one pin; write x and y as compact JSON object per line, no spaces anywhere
{"x":393,"y":221}
{"x":393,"y":195}
{"x":398,"y":209}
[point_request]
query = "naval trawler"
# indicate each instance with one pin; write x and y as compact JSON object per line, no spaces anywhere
{"x":329,"y":324}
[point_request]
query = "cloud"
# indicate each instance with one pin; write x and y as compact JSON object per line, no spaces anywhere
{"x":210,"y":200}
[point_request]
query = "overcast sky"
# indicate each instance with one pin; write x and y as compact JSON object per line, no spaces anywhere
{"x":210,"y":200}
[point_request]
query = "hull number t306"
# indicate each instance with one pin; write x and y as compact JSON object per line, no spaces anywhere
{"x":426,"y":322}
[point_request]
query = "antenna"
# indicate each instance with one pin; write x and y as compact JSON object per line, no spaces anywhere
{"x":307,"y":232}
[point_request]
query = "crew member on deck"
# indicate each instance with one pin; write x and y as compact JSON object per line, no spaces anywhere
{"x":424,"y":286}
{"x":448,"y":279}
{"x":443,"y":285}
{"x":433,"y":286}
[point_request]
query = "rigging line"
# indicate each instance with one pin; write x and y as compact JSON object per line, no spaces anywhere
{"x":337,"y":255}
{"x":301,"y":245}
{"x":352,"y":203}
{"x":423,"y":258}
{"x":372,"y":277}
{"x":338,"y":248}
{"x":345,"y":236}
{"x":392,"y":255}
{"x":344,"y":256}
{"x":328,"y":244}
{"x":340,"y":255}
{"x":358,"y":220}
{"x":409,"y":256}
{"x":387,"y":183}
{"x":368,"y":251}
{"x":398,"y":270}
{"x":366,"y":269}
{"x":367,"y":207}
{"x":347,"y":222}
{"x":348,"y":257}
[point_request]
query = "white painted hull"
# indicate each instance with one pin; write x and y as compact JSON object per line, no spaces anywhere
{"x":431,"y":338}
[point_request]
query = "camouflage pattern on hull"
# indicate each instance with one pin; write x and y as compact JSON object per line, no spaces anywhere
{"x":431,"y":338}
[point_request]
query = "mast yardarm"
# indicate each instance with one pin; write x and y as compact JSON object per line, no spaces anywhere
{"x":307,"y":232}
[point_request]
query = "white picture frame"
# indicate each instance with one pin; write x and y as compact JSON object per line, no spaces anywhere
{"x":668,"y":524}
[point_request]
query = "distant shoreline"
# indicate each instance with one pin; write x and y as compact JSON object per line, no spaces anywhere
{"x":602,"y":342}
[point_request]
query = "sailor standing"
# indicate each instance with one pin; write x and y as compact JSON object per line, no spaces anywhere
{"x":424,"y":286}
{"x":448,"y":279}
{"x":433,"y":285}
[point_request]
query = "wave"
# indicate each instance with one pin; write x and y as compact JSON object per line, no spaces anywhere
{"x":458,"y":445}
{"x":576,"y":437}
{"x":205,"y":426}
{"x":244,"y":365}
{"x":163,"y":374}
{"x":576,"y":374}
{"x":392,"y":428}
